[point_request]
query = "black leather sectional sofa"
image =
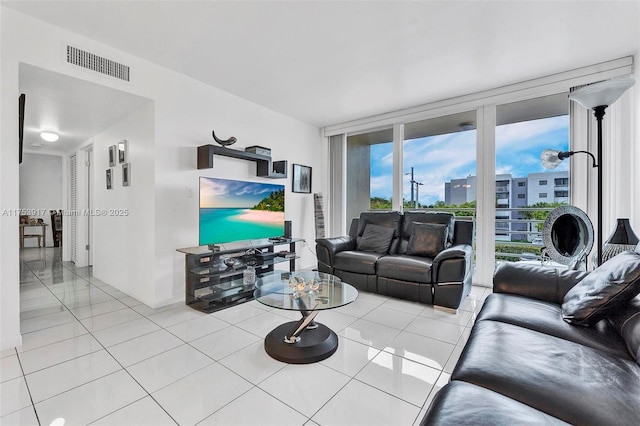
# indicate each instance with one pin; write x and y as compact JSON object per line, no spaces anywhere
{"x":420,"y":256}
{"x":525,"y":364}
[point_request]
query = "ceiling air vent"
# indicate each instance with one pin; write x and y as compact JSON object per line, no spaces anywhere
{"x":97,"y":63}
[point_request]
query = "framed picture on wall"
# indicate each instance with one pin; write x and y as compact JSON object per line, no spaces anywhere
{"x":122,"y":151}
{"x":126,"y":174}
{"x":109,"y":179}
{"x":112,"y":155}
{"x":301,"y":179}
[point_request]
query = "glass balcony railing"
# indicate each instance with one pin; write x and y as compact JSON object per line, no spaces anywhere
{"x":518,"y":231}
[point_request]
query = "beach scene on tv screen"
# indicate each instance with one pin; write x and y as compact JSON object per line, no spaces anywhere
{"x":232,"y":210}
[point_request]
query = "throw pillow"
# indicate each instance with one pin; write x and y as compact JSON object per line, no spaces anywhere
{"x":604,"y":290}
{"x":376,"y":238}
{"x":441,"y":218}
{"x":427,"y":239}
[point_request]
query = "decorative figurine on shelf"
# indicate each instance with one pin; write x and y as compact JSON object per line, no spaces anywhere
{"x":227,"y":142}
{"x":249,"y":275}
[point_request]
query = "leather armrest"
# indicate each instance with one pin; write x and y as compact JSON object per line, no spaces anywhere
{"x":454,"y":252}
{"x":452,"y":264}
{"x":327,"y":248}
{"x":535,"y":281}
{"x":337,"y":244}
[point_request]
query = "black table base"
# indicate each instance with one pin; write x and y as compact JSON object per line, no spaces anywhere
{"x":314,"y":345}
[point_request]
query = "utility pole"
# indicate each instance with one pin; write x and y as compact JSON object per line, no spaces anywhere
{"x":412,"y":183}
{"x":417,"y":197}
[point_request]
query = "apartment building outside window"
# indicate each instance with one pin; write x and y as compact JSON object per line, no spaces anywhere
{"x":524,"y":129}
{"x":439,"y":157}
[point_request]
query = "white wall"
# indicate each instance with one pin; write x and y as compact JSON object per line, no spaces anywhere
{"x":165,"y":179}
{"x":124,"y":239}
{"x":9,"y":196}
{"x":196,"y":109}
{"x":41,"y":190}
{"x":634,"y":174}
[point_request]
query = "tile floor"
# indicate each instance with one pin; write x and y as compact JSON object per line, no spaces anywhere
{"x":93,"y":355}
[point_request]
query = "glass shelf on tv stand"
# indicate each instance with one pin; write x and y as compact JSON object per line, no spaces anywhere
{"x":222,"y":271}
{"x":238,"y":246}
{"x":222,"y":295}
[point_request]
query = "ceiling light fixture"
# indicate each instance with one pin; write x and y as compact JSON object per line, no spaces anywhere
{"x":49,"y":136}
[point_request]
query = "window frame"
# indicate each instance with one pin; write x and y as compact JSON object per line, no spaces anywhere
{"x":485,"y":105}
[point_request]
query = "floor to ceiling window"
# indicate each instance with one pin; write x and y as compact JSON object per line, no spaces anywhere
{"x":525,"y":191}
{"x":422,"y":157}
{"x":439,"y":157}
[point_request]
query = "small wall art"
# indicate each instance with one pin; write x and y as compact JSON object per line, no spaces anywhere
{"x":301,"y":179}
{"x":123,"y":154}
{"x":109,"y":179}
{"x":126,"y":174}
{"x":112,"y":155}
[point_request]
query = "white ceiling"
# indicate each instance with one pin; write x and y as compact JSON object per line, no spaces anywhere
{"x":74,"y":109}
{"x":326,"y":62}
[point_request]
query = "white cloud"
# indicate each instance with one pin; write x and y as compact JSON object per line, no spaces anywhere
{"x":509,"y":136}
{"x":381,"y":185}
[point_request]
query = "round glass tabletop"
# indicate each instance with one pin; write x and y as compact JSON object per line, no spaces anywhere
{"x":304,"y":291}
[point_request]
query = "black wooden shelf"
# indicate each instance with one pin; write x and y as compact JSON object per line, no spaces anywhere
{"x":265,"y":167}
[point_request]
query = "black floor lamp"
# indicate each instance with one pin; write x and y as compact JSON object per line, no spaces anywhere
{"x":597,"y":96}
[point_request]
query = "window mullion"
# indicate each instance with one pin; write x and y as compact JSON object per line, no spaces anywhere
{"x":486,"y":195}
{"x":398,"y":166}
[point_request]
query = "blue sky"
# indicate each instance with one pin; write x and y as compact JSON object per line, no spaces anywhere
{"x":225,"y":193}
{"x":438,"y":159}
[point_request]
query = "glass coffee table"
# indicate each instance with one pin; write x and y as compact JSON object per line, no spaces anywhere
{"x":304,"y":341}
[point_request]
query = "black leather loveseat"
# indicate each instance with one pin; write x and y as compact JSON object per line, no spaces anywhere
{"x":524,"y":363}
{"x":420,"y":256}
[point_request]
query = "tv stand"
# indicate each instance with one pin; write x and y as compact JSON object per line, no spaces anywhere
{"x":211,"y":284}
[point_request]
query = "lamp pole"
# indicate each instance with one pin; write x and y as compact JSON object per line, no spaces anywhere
{"x":598,"y":112}
{"x":598,"y":96}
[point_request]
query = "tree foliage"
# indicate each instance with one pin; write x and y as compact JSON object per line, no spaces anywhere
{"x":540,"y":215}
{"x":273,"y":203}
{"x":379,"y":203}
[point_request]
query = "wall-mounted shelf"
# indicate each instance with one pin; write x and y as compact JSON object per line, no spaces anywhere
{"x":265,"y":167}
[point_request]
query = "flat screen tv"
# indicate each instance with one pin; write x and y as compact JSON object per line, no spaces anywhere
{"x":232,"y":210}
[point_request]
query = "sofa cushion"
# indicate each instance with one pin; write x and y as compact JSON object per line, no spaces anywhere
{"x":376,"y":238}
{"x":607,"y":288}
{"x":427,"y":239}
{"x":461,"y":403}
{"x":387,"y":219}
{"x":546,"y":318}
{"x":362,"y":262}
{"x":442,"y":218}
{"x":626,"y":321}
{"x":575,"y":383}
{"x":405,"y":268}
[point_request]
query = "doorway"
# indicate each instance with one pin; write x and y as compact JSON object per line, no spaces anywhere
{"x":77,"y":110}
